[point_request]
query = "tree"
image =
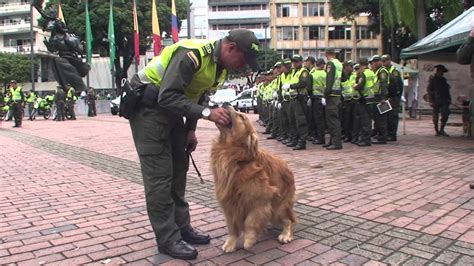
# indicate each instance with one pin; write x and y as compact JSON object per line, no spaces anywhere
{"x":14,"y":66}
{"x":74,"y":14}
{"x":271,"y":57}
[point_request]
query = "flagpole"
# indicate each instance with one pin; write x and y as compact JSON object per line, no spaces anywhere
{"x":32,"y":52}
{"x":87,"y":51}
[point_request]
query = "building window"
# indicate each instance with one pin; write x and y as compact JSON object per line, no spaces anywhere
{"x":310,"y":52}
{"x":287,"y":53}
{"x":313,"y":33}
{"x":367,"y":52}
{"x":363,"y":33}
{"x":339,"y":33}
{"x":313,"y":10}
{"x":287,"y":10}
{"x":287,"y":33}
{"x":237,"y":26}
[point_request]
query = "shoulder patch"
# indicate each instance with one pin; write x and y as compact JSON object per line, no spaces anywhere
{"x":194,"y":59}
{"x":328,"y":68}
{"x":207,"y":49}
{"x":304,"y":74}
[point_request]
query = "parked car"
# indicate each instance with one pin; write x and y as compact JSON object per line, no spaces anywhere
{"x":114,"y":105}
{"x":222,"y":96}
{"x":246,"y":101}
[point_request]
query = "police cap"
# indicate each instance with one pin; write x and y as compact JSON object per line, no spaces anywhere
{"x":287,"y":61}
{"x":297,"y":58}
{"x":386,"y":57}
{"x":363,"y":61}
{"x":248,"y":43}
{"x":310,"y":59}
{"x":375,"y":58}
{"x":320,"y":62}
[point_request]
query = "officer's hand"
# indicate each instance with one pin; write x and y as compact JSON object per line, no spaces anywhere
{"x":309,"y":103}
{"x":220,"y":116}
{"x":191,"y":141}
{"x":323,"y":101}
{"x":285,"y":86}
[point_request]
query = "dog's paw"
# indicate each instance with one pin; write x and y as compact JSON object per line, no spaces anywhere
{"x":230,"y":245}
{"x":248,"y":243}
{"x":285,"y":238}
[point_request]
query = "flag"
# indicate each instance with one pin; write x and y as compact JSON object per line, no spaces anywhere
{"x":174,"y":23}
{"x":111,"y":35}
{"x":88,"y":35}
{"x":156,"y":30}
{"x":136,"y":40}
{"x":60,"y":13}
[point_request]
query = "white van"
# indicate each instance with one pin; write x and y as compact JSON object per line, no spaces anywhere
{"x":222,"y":96}
{"x":246,"y":100}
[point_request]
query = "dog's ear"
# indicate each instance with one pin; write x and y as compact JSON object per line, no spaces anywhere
{"x":252,"y":145}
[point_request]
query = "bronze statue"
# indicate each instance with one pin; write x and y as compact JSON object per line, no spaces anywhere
{"x":68,"y":67}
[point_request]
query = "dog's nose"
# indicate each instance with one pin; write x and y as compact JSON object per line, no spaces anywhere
{"x":225,"y":105}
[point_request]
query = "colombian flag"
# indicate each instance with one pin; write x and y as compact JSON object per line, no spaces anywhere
{"x":156,"y":30}
{"x":174,"y":22}
{"x":136,"y":40}
{"x":60,"y":13}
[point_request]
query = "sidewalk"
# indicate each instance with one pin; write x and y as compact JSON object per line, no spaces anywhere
{"x":77,"y":198}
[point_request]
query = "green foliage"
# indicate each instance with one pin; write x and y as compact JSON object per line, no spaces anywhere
{"x":14,"y":66}
{"x":271,"y":58}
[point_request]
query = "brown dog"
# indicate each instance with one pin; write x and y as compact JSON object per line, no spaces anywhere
{"x":253,"y":187}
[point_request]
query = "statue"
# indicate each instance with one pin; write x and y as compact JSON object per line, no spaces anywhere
{"x":68,"y":67}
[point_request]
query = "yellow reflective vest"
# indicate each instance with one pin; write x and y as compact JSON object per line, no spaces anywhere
{"x":16,"y":93}
{"x":319,"y":81}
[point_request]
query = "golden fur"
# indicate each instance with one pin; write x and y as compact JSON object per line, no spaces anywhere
{"x":252,"y":186}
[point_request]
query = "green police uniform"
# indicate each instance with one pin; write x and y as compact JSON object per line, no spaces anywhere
{"x":286,"y":132}
{"x":382,"y":82}
{"x":317,"y":109}
{"x":299,"y":86}
{"x":17,"y":98}
{"x":70,"y":100}
{"x":30,"y":101}
{"x":348,"y":104}
{"x":333,"y":102}
{"x":363,"y":120}
{"x":395,"y":91}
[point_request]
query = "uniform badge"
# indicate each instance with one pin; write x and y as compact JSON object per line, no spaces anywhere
{"x":305,"y":74}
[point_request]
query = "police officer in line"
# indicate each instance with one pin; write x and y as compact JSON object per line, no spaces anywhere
{"x":71,"y":100}
{"x":284,"y":102}
{"x":440,"y":99}
{"x":17,"y":99}
{"x":348,"y":99}
{"x":30,"y":101}
{"x":60,"y":101}
{"x":269,"y":90}
{"x":298,"y":89}
{"x":275,"y":123}
{"x":381,"y":95}
{"x":363,"y":107}
{"x":332,"y":96}
{"x":173,"y":84}
{"x":318,"y":75}
{"x":395,"y":91}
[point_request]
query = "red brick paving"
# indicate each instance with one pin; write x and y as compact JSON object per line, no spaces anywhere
{"x":54,"y":210}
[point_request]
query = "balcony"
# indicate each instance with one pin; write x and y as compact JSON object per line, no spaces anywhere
{"x":24,"y":49}
{"x":244,"y":14}
{"x":235,"y":2}
{"x":20,"y":27}
{"x":14,"y":8}
{"x":259,"y":33}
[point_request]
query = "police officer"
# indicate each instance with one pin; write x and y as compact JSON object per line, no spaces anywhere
{"x":286,"y":132}
{"x":17,"y":99}
{"x":363,"y":108}
{"x":382,"y":82}
{"x":347,"y":83}
{"x":298,"y":89}
{"x":332,"y":95}
{"x":71,"y":100}
{"x":275,"y":127}
{"x":395,"y":91}
{"x":440,"y":98}
{"x":60,"y":101}
{"x":318,"y":75}
{"x":30,"y":100}
{"x":172,"y":85}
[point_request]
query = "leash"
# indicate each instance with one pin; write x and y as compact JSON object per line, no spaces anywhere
{"x":195,"y":168}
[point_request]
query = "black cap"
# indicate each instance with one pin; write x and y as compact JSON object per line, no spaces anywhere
{"x":363,"y":61}
{"x":348,"y":63}
{"x":386,"y":57}
{"x":12,"y":81}
{"x":441,"y":67}
{"x":297,"y":57}
{"x":320,"y":61}
{"x":247,"y":43}
{"x":310,"y":59}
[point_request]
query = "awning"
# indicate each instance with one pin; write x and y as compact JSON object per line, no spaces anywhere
{"x":452,"y":34}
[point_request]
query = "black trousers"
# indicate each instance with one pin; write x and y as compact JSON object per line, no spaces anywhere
{"x":393,"y":118}
{"x":318,"y":111}
{"x":17,"y":112}
{"x":333,"y":105}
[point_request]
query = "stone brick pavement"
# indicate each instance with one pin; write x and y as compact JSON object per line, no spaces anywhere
{"x":78,"y":199}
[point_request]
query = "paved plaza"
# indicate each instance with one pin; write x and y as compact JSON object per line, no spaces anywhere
{"x":71,"y":193}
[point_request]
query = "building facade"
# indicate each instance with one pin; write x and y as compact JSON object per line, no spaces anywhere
{"x":224,"y":15}
{"x":307,"y":27}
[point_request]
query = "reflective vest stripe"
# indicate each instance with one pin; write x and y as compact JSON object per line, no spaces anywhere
{"x":16,"y":93}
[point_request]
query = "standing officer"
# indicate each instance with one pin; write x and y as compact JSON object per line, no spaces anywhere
{"x":319,"y":86}
{"x":440,"y":98}
{"x":60,"y":99}
{"x":91,"y":98}
{"x":347,"y":83}
{"x":275,"y":128}
{"x":17,"y":99}
{"x":30,"y":100}
{"x":298,"y":89}
{"x":382,"y":82}
{"x":332,"y":95}
{"x":71,"y":100}
{"x":364,"y":86}
{"x":395,"y":91}
{"x":286,"y":132}
{"x":172,"y":85}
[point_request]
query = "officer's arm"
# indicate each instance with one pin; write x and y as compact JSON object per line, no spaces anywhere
{"x":361,"y":83}
{"x":383,"y":83}
{"x":309,"y":84}
{"x":330,"y":78}
{"x":302,"y":81}
{"x":178,"y":76}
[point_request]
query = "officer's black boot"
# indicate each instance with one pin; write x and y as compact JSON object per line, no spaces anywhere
{"x":442,"y":132}
{"x":272,"y":136}
{"x":286,"y":141}
{"x":179,"y":250}
{"x":300,"y":146}
{"x":292,"y":143}
{"x":193,"y":236}
{"x":436,"y":128}
{"x":471,"y":186}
